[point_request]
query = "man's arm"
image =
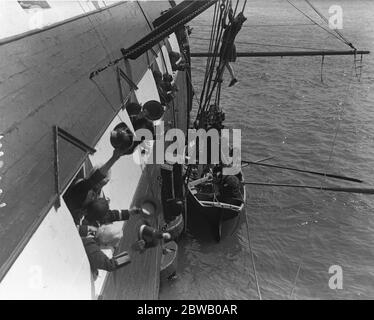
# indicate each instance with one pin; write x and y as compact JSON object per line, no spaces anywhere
{"x":98,"y":260}
{"x":117,"y":153}
{"x":100,"y":174}
{"x":121,"y":215}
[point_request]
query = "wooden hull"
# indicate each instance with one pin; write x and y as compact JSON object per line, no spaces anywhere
{"x":223,"y":218}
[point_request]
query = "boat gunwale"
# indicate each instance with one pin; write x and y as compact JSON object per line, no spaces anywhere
{"x":218,"y":204}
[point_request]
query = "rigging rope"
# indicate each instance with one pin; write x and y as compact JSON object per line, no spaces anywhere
{"x":208,"y":64}
{"x":252,"y":259}
{"x":327,"y":22}
{"x":317,"y":24}
{"x":209,"y":94}
{"x":211,"y":62}
{"x":223,"y":13}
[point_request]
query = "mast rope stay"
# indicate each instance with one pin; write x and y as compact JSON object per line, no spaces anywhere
{"x":322,"y":27}
{"x":327,"y":22}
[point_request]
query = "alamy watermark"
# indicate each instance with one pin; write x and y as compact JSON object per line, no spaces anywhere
{"x":336,"y":17}
{"x":336,"y":280}
{"x":200,"y":146}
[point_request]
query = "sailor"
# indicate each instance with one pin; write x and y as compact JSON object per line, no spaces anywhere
{"x":165,"y":96}
{"x":228,"y":186}
{"x":168,"y":84}
{"x":177,"y":62}
{"x":97,"y":213}
{"x":228,"y":49}
{"x":86,"y":190}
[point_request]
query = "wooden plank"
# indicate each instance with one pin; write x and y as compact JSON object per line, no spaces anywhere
{"x":140,"y":279}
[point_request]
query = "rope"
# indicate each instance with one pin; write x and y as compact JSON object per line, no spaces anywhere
{"x":208,"y":64}
{"x":252,"y":256}
{"x":337,"y":130}
{"x":217,"y":34}
{"x":219,"y":72}
{"x":322,"y":64}
{"x":214,"y":58}
{"x":244,"y":5}
{"x":327,"y":22}
{"x":251,"y":252}
{"x":300,"y":263}
{"x":317,"y":24}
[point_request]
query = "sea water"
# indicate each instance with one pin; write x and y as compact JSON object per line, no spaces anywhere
{"x":285,"y":110}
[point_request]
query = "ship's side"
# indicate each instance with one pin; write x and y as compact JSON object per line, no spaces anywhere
{"x":44,"y":86}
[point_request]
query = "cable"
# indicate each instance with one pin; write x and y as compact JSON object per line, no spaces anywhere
{"x":337,"y":129}
{"x":316,"y":23}
{"x":253,"y":260}
{"x":327,"y":22}
{"x":300,"y":263}
{"x":252,"y":255}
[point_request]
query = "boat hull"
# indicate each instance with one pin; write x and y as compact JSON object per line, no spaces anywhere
{"x":222,"y":218}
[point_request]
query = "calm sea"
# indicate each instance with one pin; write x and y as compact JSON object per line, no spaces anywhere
{"x":285,"y":111}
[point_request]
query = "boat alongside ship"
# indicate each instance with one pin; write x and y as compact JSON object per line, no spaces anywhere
{"x":223,"y":217}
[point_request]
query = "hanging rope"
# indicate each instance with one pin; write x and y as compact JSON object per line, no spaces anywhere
{"x":207,"y":90}
{"x":301,"y":261}
{"x":253,"y":259}
{"x":337,"y":129}
{"x":205,"y":105}
{"x":244,"y":5}
{"x":210,"y":88}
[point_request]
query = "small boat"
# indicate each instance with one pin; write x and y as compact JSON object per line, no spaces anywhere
{"x":222,"y":216}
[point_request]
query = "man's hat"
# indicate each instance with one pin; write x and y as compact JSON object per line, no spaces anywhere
{"x":122,"y":137}
{"x":153,"y":110}
{"x":133,"y":109}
